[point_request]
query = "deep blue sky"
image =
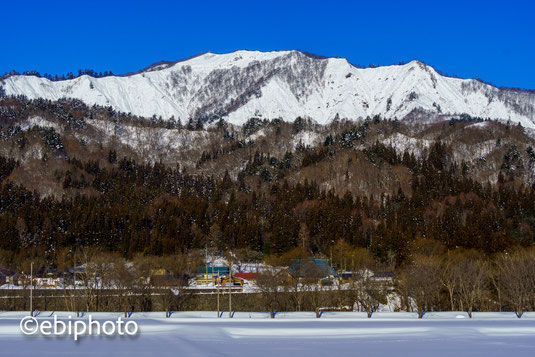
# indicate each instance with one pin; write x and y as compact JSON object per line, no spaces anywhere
{"x":492,"y":40}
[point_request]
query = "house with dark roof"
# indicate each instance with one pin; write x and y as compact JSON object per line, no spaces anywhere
{"x":311,"y":267}
{"x":7,"y":276}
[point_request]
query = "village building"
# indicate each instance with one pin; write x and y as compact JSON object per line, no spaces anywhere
{"x":211,"y":275}
{"x":250,"y":277}
{"x":312,"y":267}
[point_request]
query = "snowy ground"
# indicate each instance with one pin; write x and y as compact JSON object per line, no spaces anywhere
{"x":289,"y":334}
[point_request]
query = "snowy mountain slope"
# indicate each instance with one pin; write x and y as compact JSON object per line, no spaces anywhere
{"x":285,"y":84}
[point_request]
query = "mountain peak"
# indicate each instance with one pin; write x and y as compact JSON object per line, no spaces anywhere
{"x":284,"y":84}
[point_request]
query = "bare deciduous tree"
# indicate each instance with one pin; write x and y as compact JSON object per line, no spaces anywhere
{"x":311,"y":283}
{"x":268,"y":283}
{"x":473,"y":278}
{"x":421,"y":282}
{"x":367,"y":292}
{"x":516,"y":279}
{"x":123,"y":280}
{"x":449,"y":276}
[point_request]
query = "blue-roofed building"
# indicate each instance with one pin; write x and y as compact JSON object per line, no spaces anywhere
{"x":311,"y":267}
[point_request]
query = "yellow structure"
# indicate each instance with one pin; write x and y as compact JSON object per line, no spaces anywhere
{"x":235,"y":281}
{"x":207,"y":279}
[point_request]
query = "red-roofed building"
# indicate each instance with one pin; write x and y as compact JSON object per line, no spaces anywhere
{"x":246,"y":276}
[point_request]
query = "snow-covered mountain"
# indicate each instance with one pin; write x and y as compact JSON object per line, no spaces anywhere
{"x":284,"y":84}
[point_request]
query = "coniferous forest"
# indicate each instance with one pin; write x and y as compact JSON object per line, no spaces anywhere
{"x":156,"y":209}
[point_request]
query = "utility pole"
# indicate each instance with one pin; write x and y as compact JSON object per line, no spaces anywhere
{"x":332,"y":243}
{"x":230,"y":293}
{"x":206,"y":260}
{"x":74,"y":285}
{"x":31,"y":289}
{"x":217,"y":288}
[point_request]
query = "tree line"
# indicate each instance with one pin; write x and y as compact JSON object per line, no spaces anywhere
{"x":62,"y":77}
{"x":157,"y":209}
{"x":432,"y":280}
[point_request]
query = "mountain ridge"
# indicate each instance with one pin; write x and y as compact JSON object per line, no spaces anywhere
{"x":284,"y":85}
{"x":153,"y":65}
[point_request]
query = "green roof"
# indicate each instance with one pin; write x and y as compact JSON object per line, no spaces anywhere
{"x":214,"y":270}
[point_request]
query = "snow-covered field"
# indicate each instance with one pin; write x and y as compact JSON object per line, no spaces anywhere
{"x":289,"y":334}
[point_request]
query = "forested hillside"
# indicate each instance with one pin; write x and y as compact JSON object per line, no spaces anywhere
{"x":74,"y":176}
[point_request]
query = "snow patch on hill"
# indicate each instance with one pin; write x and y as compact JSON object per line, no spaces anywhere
{"x":402,"y":143}
{"x":40,"y":122}
{"x":306,"y":138}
